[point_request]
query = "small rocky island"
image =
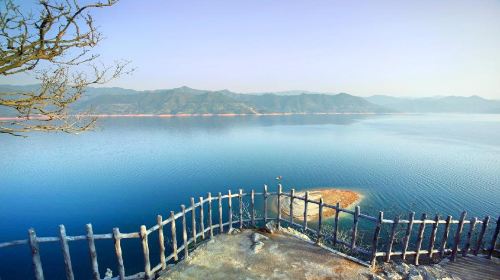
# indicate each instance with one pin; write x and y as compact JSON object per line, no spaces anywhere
{"x":346,"y":198}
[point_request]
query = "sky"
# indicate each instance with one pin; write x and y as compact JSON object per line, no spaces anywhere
{"x":399,"y":48}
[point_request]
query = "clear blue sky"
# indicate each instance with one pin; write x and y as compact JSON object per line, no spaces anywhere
{"x":402,"y":48}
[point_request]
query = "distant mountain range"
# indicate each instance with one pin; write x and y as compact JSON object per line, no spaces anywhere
{"x":185,"y":100}
{"x":445,"y":104}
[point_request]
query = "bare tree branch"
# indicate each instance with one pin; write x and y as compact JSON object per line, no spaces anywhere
{"x":61,"y":34}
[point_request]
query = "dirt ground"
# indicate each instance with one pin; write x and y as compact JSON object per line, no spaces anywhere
{"x":247,"y":255}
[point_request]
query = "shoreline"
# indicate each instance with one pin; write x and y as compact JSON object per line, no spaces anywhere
{"x":39,"y":117}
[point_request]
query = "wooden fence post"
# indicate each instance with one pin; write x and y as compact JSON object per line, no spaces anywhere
{"x":193,"y":220}
{"x":35,"y":255}
{"x":336,"y":223}
{"x":221,"y":226}
{"x":211,"y":230}
{"x":306,"y":201}
{"x":432,"y":239}
{"x":479,"y":244}
{"x":320,"y":219}
{"x":278,"y":218}
{"x":33,"y":241}
{"x":391,"y":240}
{"x":65,"y":251}
{"x":118,"y":253}
{"x":202,"y":219}
{"x":229,"y":210}
{"x":494,"y":239}
{"x":145,"y":252}
{"x":161,"y":241}
{"x":252,"y":207}
{"x":420,"y":238}
{"x":458,"y":234}
{"x":265,"y":204}
{"x":406,"y":239}
{"x":174,"y":236}
{"x":92,"y":253}
{"x":292,"y":196}
{"x":355,"y":227}
{"x":240,"y":204}
{"x":376,"y":234}
{"x":184,"y":232}
{"x":445,"y":236}
{"x":472,"y":226}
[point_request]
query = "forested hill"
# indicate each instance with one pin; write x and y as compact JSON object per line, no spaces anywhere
{"x":186,"y":100}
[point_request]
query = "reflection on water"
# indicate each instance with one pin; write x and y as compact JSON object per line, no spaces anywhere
{"x":216,"y":124}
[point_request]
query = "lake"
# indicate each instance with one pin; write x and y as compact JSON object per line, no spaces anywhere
{"x":131,"y":169}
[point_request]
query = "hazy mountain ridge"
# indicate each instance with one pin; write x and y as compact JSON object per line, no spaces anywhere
{"x":441,"y":104}
{"x":185,"y":100}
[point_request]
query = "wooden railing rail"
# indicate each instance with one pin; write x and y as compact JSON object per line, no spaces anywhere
{"x":235,"y":218}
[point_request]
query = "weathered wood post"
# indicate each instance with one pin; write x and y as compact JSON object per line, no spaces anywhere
{"x":202,"y":219}
{"x":494,"y":239}
{"x":145,"y":252}
{"x":230,"y":210}
{"x":306,"y":201}
{"x":118,"y":253}
{"x":336,"y":223}
{"x":320,"y":219}
{"x":420,"y":238}
{"x":252,"y":207}
{"x":240,"y":204}
{"x":376,"y":234}
{"x":391,"y":239}
{"x":355,"y":227}
{"x":479,"y":244}
{"x":472,"y":226}
{"x":265,"y":204}
{"x":184,"y":232}
{"x":458,"y":234}
{"x":278,"y":218}
{"x":211,"y":229}
{"x":432,"y":239}
{"x":193,"y":220}
{"x":292,"y":196}
{"x":174,"y":236}
{"x":406,"y":239}
{"x":35,"y":255}
{"x":161,"y":241}
{"x":92,"y":253}
{"x":221,"y":226}
{"x":444,"y":240}
{"x":65,"y":251}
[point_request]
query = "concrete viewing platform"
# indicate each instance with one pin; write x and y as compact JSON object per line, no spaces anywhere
{"x":257,"y":255}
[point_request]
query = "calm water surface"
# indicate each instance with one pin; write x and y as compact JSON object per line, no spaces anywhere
{"x":129,"y":170}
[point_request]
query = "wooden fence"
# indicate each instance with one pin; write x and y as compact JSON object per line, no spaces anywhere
{"x":197,"y":231}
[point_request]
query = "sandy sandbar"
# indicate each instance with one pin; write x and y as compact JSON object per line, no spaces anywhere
{"x":346,"y":198}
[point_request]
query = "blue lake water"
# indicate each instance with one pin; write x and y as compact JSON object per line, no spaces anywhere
{"x":131,"y":169}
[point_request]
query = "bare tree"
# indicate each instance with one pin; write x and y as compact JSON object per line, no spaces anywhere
{"x":54,"y":44}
